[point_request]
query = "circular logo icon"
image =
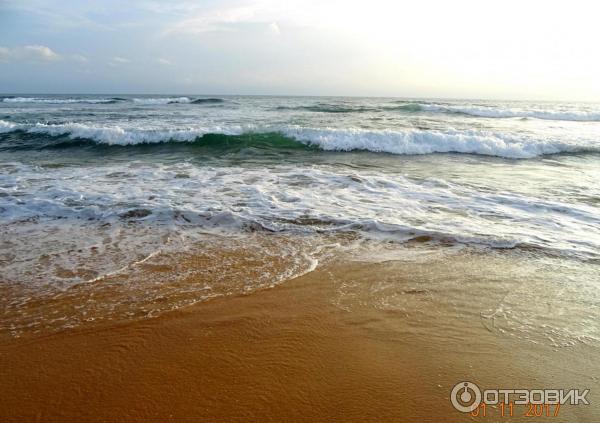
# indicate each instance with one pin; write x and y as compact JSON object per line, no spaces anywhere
{"x":465,"y":396}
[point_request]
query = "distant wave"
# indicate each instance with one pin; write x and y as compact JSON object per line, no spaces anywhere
{"x":402,"y":142}
{"x":61,"y":100}
{"x":328,"y":108}
{"x":111,"y":100}
{"x":175,"y":100}
{"x":403,"y":106}
{"x":340,"y":108}
{"x":207,"y":100}
{"x":492,"y":112}
{"x":162,"y":100}
{"x":408,"y":107}
{"x":477,"y":111}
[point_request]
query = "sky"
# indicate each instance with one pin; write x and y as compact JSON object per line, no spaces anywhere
{"x":526,"y":49}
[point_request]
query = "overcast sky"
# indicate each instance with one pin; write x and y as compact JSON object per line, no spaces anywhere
{"x":522,"y":49}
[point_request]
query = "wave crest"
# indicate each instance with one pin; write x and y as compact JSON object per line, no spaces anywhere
{"x":402,"y":142}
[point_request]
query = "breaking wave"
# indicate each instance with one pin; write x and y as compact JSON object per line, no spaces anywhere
{"x":414,"y":141}
{"x":401,"y":142}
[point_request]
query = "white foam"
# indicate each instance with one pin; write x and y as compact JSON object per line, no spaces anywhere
{"x":493,"y":112}
{"x":427,"y":142}
{"x":280,"y":198}
{"x":162,"y":100}
{"x":7,"y":126}
{"x":117,"y":135}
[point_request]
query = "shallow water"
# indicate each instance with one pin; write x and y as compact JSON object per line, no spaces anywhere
{"x":92,"y":186}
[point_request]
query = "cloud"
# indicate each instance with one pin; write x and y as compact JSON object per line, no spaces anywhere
{"x":39,"y":53}
{"x":30,"y":53}
{"x":213,"y":20}
{"x":116,"y":61}
{"x":78,"y":14}
{"x":229,"y":15}
{"x":164,"y":61}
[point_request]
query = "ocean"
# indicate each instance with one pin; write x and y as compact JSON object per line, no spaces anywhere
{"x":94,"y":187}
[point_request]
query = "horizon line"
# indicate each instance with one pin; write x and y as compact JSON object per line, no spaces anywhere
{"x":4,"y":94}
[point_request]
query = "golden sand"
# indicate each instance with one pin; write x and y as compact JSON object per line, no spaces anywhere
{"x":320,"y":347}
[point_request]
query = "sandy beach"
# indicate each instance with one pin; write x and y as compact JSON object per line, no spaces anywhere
{"x":321,"y":347}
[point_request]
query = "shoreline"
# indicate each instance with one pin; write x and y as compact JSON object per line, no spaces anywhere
{"x":294,"y":352}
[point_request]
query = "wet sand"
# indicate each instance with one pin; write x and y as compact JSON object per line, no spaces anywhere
{"x":291,"y":353}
